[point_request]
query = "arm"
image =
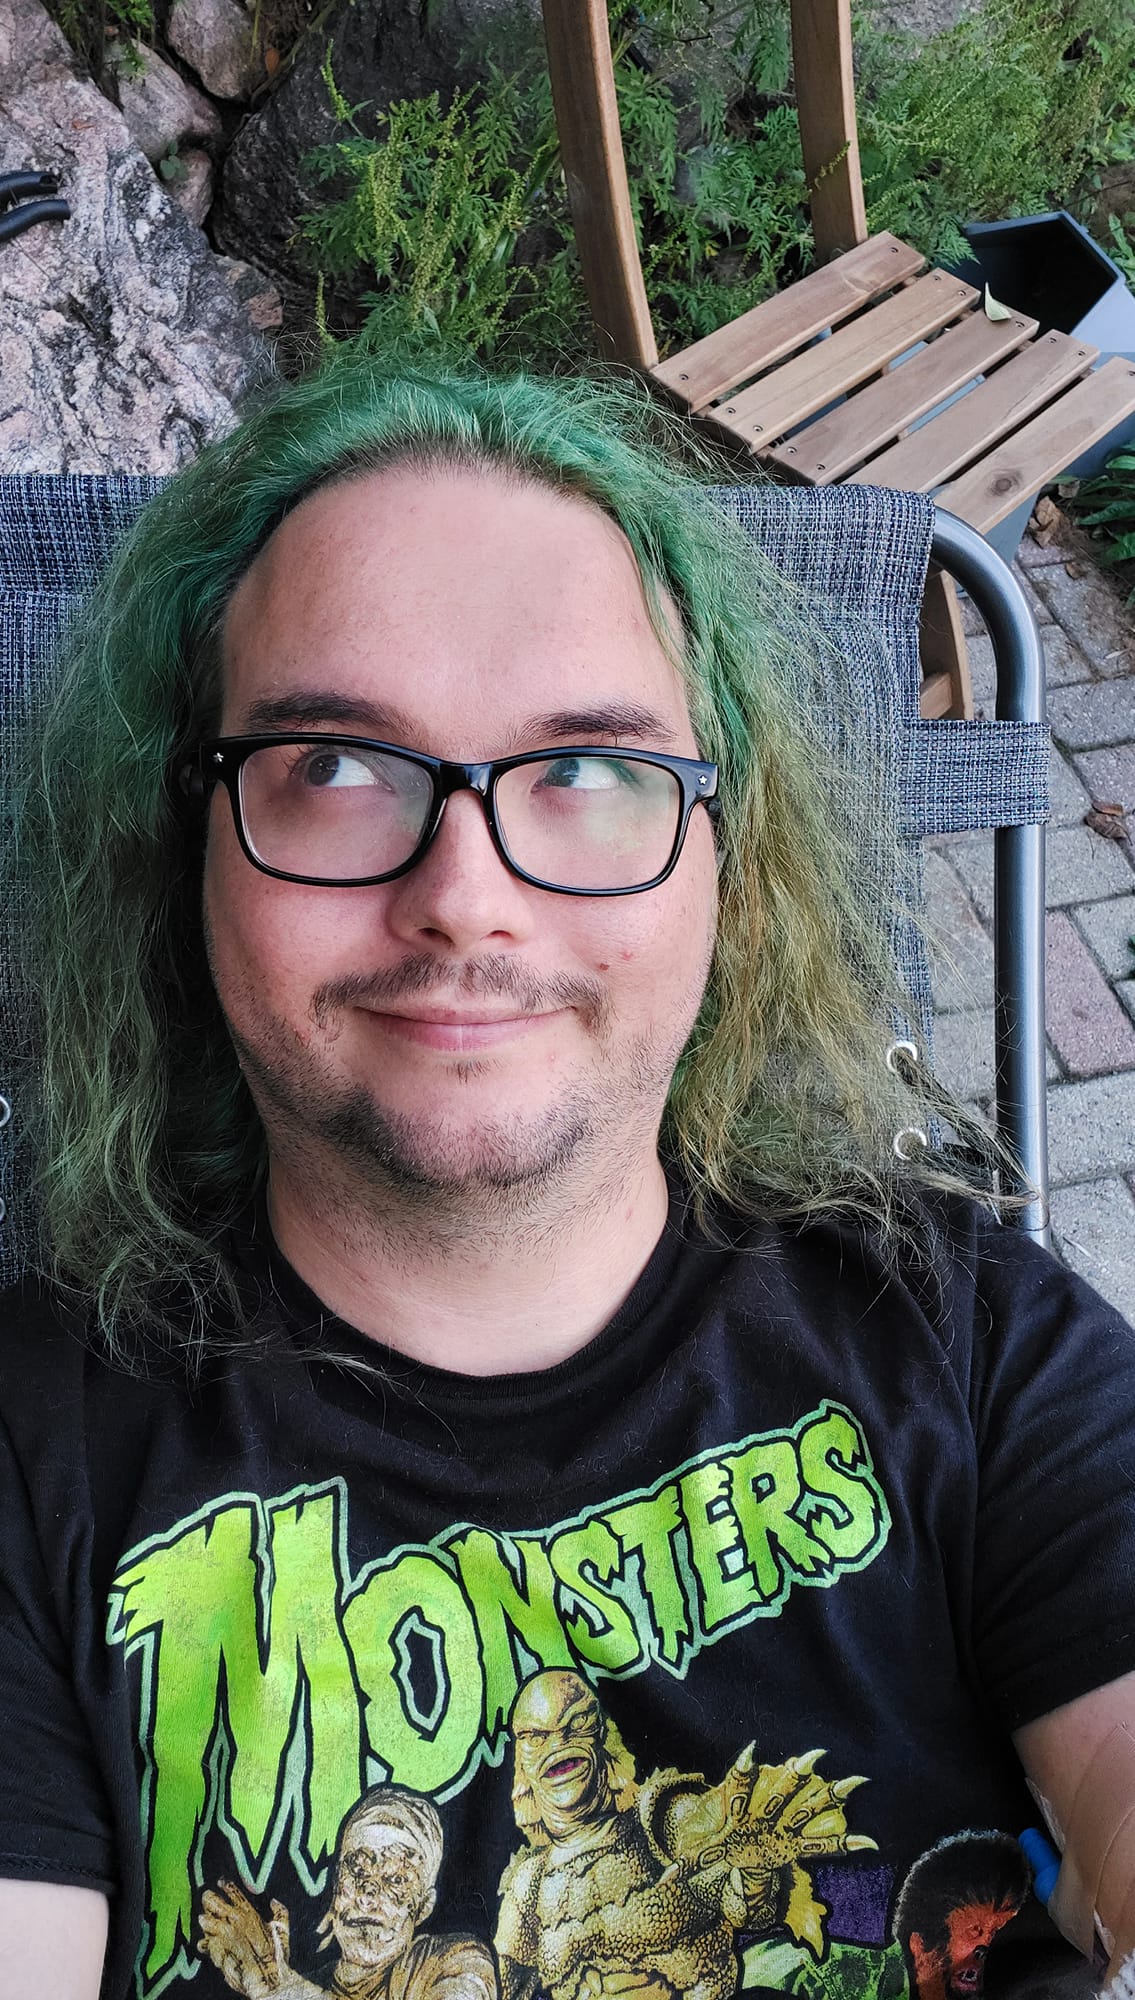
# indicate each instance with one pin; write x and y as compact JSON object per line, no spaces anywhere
{"x":1080,"y":1762}
{"x":52,"y":1940}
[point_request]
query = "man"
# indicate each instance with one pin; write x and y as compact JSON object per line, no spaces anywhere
{"x":474,"y":1250}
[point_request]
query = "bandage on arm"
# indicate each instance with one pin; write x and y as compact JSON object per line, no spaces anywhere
{"x":1080,"y":1764}
{"x":52,"y":1940}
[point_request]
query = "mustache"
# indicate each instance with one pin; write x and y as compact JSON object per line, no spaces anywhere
{"x":496,"y":978}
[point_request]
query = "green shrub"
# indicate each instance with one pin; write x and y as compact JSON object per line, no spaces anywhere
{"x":1012,"y":110}
{"x":454,"y":220}
{"x":1107,"y":505}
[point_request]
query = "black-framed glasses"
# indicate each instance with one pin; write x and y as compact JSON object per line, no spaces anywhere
{"x":347,"y":811}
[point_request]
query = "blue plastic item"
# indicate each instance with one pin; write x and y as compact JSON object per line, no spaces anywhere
{"x":1043,"y":1859}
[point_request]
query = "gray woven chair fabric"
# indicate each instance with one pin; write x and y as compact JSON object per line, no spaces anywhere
{"x":858,"y":554}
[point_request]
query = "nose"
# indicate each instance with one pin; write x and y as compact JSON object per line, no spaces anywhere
{"x":460,"y":894}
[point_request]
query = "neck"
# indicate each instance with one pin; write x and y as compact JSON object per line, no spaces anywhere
{"x":495,"y":1291}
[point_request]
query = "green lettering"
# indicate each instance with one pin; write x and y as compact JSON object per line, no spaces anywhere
{"x":504,"y":1608}
{"x":424,"y":1759}
{"x":647,"y":1528}
{"x":302,"y":1636}
{"x":847,"y":1512}
{"x":608,"y":1638}
{"x":765,"y":1487}
{"x":727,"y":1585}
{"x":201,"y":1595}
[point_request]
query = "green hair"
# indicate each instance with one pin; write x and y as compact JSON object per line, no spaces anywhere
{"x":147,"y":1140}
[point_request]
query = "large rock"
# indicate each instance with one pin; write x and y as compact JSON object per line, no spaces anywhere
{"x":190,"y":183}
{"x":381,"y":50}
{"x":217,"y":40}
{"x":121,"y":346}
{"x":161,"y":110}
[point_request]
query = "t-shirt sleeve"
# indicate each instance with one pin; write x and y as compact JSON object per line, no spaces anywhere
{"x":1052,"y":1397}
{"x":54,"y":1823}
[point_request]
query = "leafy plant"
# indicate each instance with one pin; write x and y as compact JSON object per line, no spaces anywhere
{"x":1122,"y":246}
{"x":455,"y":220}
{"x":1111,"y":512}
{"x":427,"y":227}
{"x":96,"y":29}
{"x":1013,"y":109}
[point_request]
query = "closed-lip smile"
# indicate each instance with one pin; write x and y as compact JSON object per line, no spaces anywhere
{"x":456,"y":1028}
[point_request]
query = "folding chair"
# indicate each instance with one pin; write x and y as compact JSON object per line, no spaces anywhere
{"x":859,"y":553}
{"x":871,"y":369}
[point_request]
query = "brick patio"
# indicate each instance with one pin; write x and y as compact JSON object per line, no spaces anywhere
{"x":1089,"y":643}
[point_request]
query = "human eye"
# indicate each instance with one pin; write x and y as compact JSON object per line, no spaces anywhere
{"x":334,"y":766}
{"x":587,"y":774}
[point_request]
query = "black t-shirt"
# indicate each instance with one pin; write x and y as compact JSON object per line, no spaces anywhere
{"x":266,"y":1643}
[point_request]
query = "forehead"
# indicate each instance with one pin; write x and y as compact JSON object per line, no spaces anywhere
{"x":464,"y":603}
{"x":380,"y":1840}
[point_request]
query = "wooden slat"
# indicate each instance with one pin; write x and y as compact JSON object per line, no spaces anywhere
{"x":587,"y":119}
{"x":800,"y":387}
{"x":942,"y":650}
{"x":768,"y":332}
{"x":999,"y":406}
{"x":936,"y":698}
{"x":869,"y":420}
{"x":829,"y":139}
{"x":1044,"y":448}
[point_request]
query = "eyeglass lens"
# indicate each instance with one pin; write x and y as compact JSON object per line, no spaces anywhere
{"x":337,"y":813}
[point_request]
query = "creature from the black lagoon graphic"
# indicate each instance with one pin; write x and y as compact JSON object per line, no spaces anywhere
{"x":630,"y":1887}
{"x":386,"y":1870}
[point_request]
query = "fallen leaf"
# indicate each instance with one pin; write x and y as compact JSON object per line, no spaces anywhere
{"x":1107,"y":819}
{"x":994,"y":309}
{"x":271,"y":61}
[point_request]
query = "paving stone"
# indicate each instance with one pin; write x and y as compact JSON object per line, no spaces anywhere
{"x":972,"y":620}
{"x":1070,"y":800}
{"x":963,"y":1053}
{"x":1110,"y":774}
{"x":1064,"y":665}
{"x":963,"y":1056}
{"x":961,"y":954}
{"x":982,"y":671}
{"x":1040,"y":555}
{"x":1037,"y":604}
{"x":1093,"y":614}
{"x":1126,"y":992}
{"x":1091,"y":1128}
{"x":1096,"y":712}
{"x":1108,"y":928}
{"x":1095,"y":1230}
{"x":1089,"y":1029}
{"x":1063,"y":660}
{"x":1080,"y":867}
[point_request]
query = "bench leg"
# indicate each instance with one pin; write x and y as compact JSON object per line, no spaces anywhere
{"x":946,"y":690}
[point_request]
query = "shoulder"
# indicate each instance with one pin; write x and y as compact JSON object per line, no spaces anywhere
{"x":446,"y":1968}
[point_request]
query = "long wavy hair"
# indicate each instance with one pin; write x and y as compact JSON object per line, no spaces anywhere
{"x":146,"y":1138}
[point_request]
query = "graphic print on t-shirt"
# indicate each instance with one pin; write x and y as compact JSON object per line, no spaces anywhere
{"x":308,"y":1719}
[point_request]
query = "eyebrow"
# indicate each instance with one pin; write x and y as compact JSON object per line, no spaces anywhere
{"x":309,"y":708}
{"x":306,"y":708}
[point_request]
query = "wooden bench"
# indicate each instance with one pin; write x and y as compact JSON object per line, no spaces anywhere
{"x":873,"y":368}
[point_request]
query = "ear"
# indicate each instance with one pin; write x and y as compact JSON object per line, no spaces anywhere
{"x":190,"y":782}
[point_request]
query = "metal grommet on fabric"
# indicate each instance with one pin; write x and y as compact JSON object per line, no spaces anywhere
{"x":911,"y":1140}
{"x":5,"y":1112}
{"x":3,"y":1208}
{"x":898,"y":1049}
